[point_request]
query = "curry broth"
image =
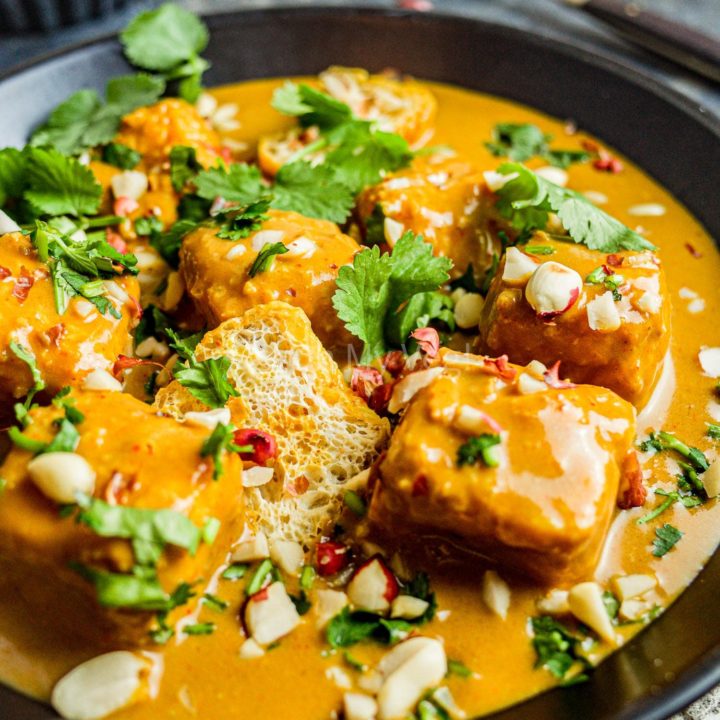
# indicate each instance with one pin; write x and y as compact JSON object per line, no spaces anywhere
{"x":204,"y":676}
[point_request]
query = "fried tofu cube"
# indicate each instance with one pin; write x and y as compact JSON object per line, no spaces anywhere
{"x":292,"y":389}
{"x":66,"y":347}
{"x":495,"y":460}
{"x":398,"y":105}
{"x":615,"y":333}
{"x":217,"y":272}
{"x":441,"y":197}
{"x":140,"y":460}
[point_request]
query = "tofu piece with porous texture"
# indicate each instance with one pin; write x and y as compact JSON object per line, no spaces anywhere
{"x":441,"y":197}
{"x":292,"y":389}
{"x":612,"y":332}
{"x":538,"y":499}
{"x":397,"y":104}
{"x":139,"y":459}
{"x":66,"y":347}
{"x":217,"y":271}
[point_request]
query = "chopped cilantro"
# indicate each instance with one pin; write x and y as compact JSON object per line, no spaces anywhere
{"x":527,"y":200}
{"x":713,"y":431}
{"x":611,"y":603}
{"x":22,"y":353}
{"x":206,"y":380}
{"x":666,"y":538}
{"x":611,"y":281}
{"x":355,"y":503}
{"x":184,"y":166}
{"x":556,"y":646}
{"x":456,"y":667}
{"x":353,"y":662}
{"x":210,"y":529}
{"x":13,"y":164}
{"x":307,"y":577}
{"x":221,"y":440}
{"x":264,"y":259}
{"x":148,"y":225}
{"x":482,"y":447}
{"x":301,"y":602}
{"x":137,"y":591}
{"x":376,"y":286}
{"x":199,"y":629}
{"x":419,"y":311}
{"x":240,"y":183}
{"x":168,"y":243}
{"x":522,"y":141}
{"x":121,"y":156}
{"x":214,"y":602}
{"x":237,"y":223}
{"x":660,"y":441}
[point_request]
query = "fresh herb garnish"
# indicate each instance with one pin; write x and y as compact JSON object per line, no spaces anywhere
{"x":480,"y":448}
{"x":237,"y":223}
{"x":666,"y":538}
{"x":349,"y":628}
{"x":83,"y":121}
{"x":265,"y":257}
{"x":221,"y":440}
{"x":168,"y":243}
{"x":121,"y":156}
{"x":199,"y":629}
{"x":355,"y":503}
{"x":234,"y":571}
{"x":609,"y":280}
{"x":522,"y":141}
{"x":260,"y":576}
{"x":526,"y":200}
{"x":376,"y":286}
{"x":661,"y":440}
{"x":22,"y":353}
{"x":557,"y":647}
{"x":169,"y":40}
{"x":214,"y":602}
{"x":456,"y":667}
{"x":307,"y":577}
{"x":301,"y":602}
{"x":184,"y":166}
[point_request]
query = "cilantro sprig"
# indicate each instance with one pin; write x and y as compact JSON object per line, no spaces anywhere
{"x":526,"y":200}
{"x":558,"y":648}
{"x":221,"y":441}
{"x":169,"y":40}
{"x":371,"y":291}
{"x":521,"y":141}
{"x":355,"y":150}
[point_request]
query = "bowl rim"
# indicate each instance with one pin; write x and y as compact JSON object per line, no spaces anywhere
{"x":705,"y":673}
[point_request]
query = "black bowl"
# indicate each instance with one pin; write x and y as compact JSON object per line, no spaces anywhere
{"x":677,"y":658}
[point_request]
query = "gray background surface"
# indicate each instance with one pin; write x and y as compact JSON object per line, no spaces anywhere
{"x":549,"y":17}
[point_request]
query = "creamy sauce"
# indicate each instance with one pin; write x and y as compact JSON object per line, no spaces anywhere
{"x":204,"y":676}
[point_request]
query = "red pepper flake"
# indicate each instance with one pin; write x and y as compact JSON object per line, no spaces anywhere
{"x":364,"y":380}
{"x":552,"y":378}
{"x":125,"y":362}
{"x":691,"y":249}
{"x":607,"y":163}
{"x":633,"y":492}
{"x":428,"y":340}
{"x":116,"y":241}
{"x":332,"y":557}
{"x":22,"y":286}
{"x":226,"y":154}
{"x":499,"y":366}
{"x":4,"y":272}
{"x":420,"y":486}
{"x":55,"y":334}
{"x":393,"y":362}
{"x":299,"y":486}
{"x":614,"y":261}
{"x":263,"y":444}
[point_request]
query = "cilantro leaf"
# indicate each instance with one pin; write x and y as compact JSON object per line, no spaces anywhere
{"x":237,"y":223}
{"x":556,"y":646}
{"x":419,"y":311}
{"x":240,"y":183}
{"x":121,"y":156}
{"x":83,"y":120}
{"x":662,"y":441}
{"x":522,"y":141}
{"x":60,"y":185}
{"x":133,"y":592}
{"x":377,"y":285}
{"x":184,"y":166}
{"x":164,"y":38}
{"x":310,"y":106}
{"x":312,"y":191}
{"x":168,"y":243}
{"x":22,"y":353}
{"x":207,"y":380}
{"x":264,"y":258}
{"x":483,"y":447}
{"x":149,"y":531}
{"x":666,"y":538}
{"x":220,"y":441}
{"x":13,"y":164}
{"x":526,"y":199}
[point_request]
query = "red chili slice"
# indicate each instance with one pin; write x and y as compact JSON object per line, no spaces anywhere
{"x":263,"y":444}
{"x":633,"y":492}
{"x":125,"y":362}
{"x":116,"y":241}
{"x":4,"y":272}
{"x":500,"y":366}
{"x":332,"y":557}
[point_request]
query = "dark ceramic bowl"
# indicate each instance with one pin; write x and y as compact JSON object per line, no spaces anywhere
{"x":677,"y":658}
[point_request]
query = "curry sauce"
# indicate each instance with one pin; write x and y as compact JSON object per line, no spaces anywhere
{"x":302,"y":677}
